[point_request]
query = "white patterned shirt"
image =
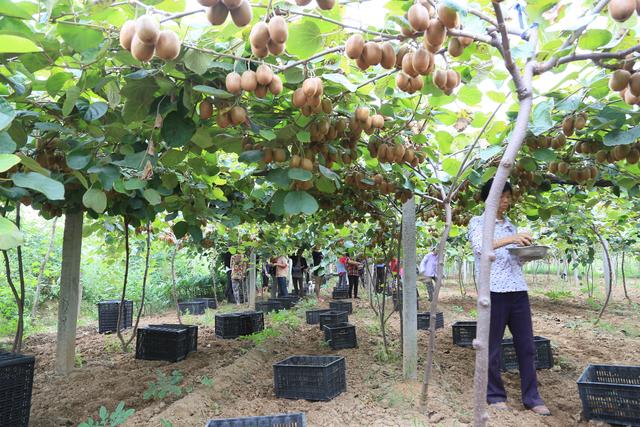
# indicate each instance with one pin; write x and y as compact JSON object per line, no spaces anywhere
{"x":506,"y":270}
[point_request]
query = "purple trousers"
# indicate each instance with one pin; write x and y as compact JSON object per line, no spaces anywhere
{"x":512,"y":309}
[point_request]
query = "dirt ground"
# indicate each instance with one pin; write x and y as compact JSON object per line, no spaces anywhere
{"x":242,"y":371}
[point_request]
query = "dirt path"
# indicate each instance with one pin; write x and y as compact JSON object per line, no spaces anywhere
{"x":243,"y":378}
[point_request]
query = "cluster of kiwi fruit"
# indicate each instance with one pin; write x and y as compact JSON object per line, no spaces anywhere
{"x":394,"y":153}
{"x":370,"y":53}
{"x":573,"y":122}
{"x":324,"y":129}
{"x":579,"y":173}
{"x":422,"y":17}
{"x":231,"y":116}
{"x":258,"y":82}
{"x":269,"y":38}
{"x":308,"y":97}
{"x":621,"y":10}
{"x":630,"y":153}
{"x":271,"y":155}
{"x":143,"y":39}
{"x":205,"y":110}
{"x":446,"y":80}
{"x":360,"y":181}
{"x":219,"y":10}
{"x":322,"y":4}
{"x":556,"y":142}
{"x":363,"y":120}
{"x":627,"y":84}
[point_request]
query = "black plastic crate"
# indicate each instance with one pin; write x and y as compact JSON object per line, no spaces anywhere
{"x":229,"y":325}
{"x":310,"y":377}
{"x":269,"y":306}
{"x":280,"y":420}
{"x":313,"y":316}
{"x":611,"y":394}
{"x":252,"y":322}
{"x":397,"y":302}
{"x":332,"y":317}
{"x":341,"y":335}
{"x":544,"y":355}
{"x":160,"y":343}
{"x":424,"y":322}
{"x":16,"y":383}
{"x":210,"y":302}
{"x":192,"y":334}
{"x":340,"y":293}
{"x":464,"y":332}
{"x":287,"y":303}
{"x":108,"y":315}
{"x":341,"y":306}
{"x":195,"y":308}
{"x":292,"y":297}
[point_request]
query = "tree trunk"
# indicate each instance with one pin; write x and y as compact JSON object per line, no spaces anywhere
{"x":409,"y":292}
{"x":144,"y":286}
{"x":68,"y":298}
{"x":252,"y":279}
{"x":127,"y":256}
{"x":624,"y":278}
{"x":173,"y":281}
{"x":608,"y":270}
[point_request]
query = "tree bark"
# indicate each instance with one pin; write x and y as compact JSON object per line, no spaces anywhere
{"x":624,"y":278}
{"x":144,"y":286}
{"x":252,"y":279}
{"x":409,"y":293}
{"x":608,"y":270}
{"x":173,"y":281}
{"x":124,"y":284}
{"x":68,"y":298}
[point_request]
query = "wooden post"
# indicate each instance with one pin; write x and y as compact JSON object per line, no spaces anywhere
{"x":252,"y":279}
{"x":409,"y":294}
{"x":69,"y":292}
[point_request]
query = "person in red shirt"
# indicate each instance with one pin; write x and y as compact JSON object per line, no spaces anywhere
{"x":353,"y":272}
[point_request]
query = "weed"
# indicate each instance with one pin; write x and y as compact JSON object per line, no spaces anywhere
{"x":259,"y":338}
{"x":285,"y":318}
{"x":630,"y":330}
{"x":374,"y":329}
{"x":558,"y":295}
{"x":116,"y":418}
{"x":607,"y":326}
{"x":164,"y":386}
{"x":165,"y":423}
{"x":390,"y":356}
{"x":458,"y":309}
{"x":593,"y":304}
{"x":473,"y":313}
{"x":111,"y":344}
{"x":206,"y":381}
{"x":79,"y":360}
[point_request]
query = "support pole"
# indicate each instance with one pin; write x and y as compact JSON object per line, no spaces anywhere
{"x":409,"y":294}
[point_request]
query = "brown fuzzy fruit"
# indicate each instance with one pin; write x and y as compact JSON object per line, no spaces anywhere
{"x":275,"y":48}
{"x":315,"y":102}
{"x":621,"y":10}
{"x":354,"y":46}
{"x":619,"y":80}
{"x":217,"y":14}
{"x":453,"y":79}
{"x":448,"y":16}
{"x":223,"y":120}
{"x":279,"y":155}
{"x":407,"y":65}
{"x":278,"y":31}
{"x":326,"y":4}
{"x":633,"y":156}
{"x":400,"y":55}
{"x":465,"y":41}
{"x":634,"y":84}
{"x":580,"y":122}
{"x":553,"y":167}
{"x":208,"y":3}
{"x":243,"y":14}
{"x":440,"y":79}
{"x":372,"y":53}
{"x":261,"y":91}
{"x":307,"y":164}
{"x":327,"y":106}
{"x":418,"y":17}
{"x":147,"y":29}
{"x":563,"y":168}
{"x":167,"y":45}
{"x":416,"y":83}
{"x":567,"y":126}
{"x":141,"y":51}
{"x":295,"y":161}
{"x":377,"y":121}
{"x":206,"y":110}
{"x":233,"y":83}
{"x":388,"y":56}
{"x":238,"y":115}
{"x":249,"y":81}
{"x":362,"y":114}
{"x":421,"y":60}
{"x":436,"y":32}
{"x":299,"y":98}
{"x":303,"y":2}
{"x":629,"y":97}
{"x":275,"y":87}
{"x":259,"y":52}
{"x":455,"y":48}
{"x":126,"y":34}
{"x":264,"y":75}
{"x":559,"y":141}
{"x":259,"y":35}
{"x":402,"y":81}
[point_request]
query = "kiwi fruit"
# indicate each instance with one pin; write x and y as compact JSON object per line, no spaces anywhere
{"x":388,"y":56}
{"x":326,"y":4}
{"x":315,"y":102}
{"x":223,"y":120}
{"x":567,"y":126}
{"x":559,"y":141}
{"x":243,"y":14}
{"x":418,"y":17}
{"x":400,"y":55}
{"x":267,"y":155}
{"x":416,"y":83}
{"x":453,"y":79}
{"x":377,"y":121}
{"x":264,"y":75}
{"x":279,"y":155}
{"x":208,"y":3}
{"x":259,"y":35}
{"x":362,"y":114}
{"x":217,"y":14}
{"x":593,"y":172}
{"x":553,"y":167}
{"x":406,"y":31}
{"x":634,"y":84}
{"x":628,"y":97}
{"x":303,"y":2}
{"x":167,"y":45}
{"x":601,"y":156}
{"x":206,"y":110}
{"x":621,"y":10}
{"x":249,"y":81}
{"x":307,"y":164}
{"x":275,"y":87}
{"x":260,"y":52}
{"x":307,"y":110}
{"x":354,"y":46}
{"x":436,"y":33}
{"x":420,"y":60}
{"x":372,"y":53}
{"x":619,"y":80}
{"x":237,"y":114}
{"x":448,"y":16}
{"x":327,"y":106}
{"x":261,"y":91}
{"x":147,"y":29}
{"x":233,"y":82}
{"x":633,"y":156}
{"x":362,"y":63}
{"x":126,"y":34}
{"x":563,"y":168}
{"x":465,"y":41}
{"x":440,"y":79}
{"x":580,"y":121}
{"x":455,"y":48}
{"x":298,"y":98}
{"x":407,"y":65}
{"x":140,"y":50}
{"x":402,"y":81}
{"x":275,"y":48}
{"x":278,"y":31}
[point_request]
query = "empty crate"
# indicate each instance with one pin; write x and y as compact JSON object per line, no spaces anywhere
{"x":108,"y":315}
{"x":310,"y":377}
{"x":424,"y":320}
{"x":192,"y":307}
{"x":313,"y":316}
{"x":341,"y":306}
{"x":192,"y":334}
{"x":268,"y":306}
{"x":233,"y":325}
{"x":611,"y":394}
{"x":210,"y":302}
{"x":544,"y":356}
{"x":340,"y":335}
{"x":161,"y":343}
{"x":286,"y":303}
{"x":464,"y":332}
{"x":252,"y":322}
{"x":281,"y":420}
{"x":16,"y":382}
{"x":340,"y":293}
{"x":333,"y":317}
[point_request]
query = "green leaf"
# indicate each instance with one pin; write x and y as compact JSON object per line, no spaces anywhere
{"x":7,"y":114}
{"x":297,"y":202}
{"x":528,"y":164}
{"x":342,"y":80}
{"x":470,"y":95}
{"x":198,"y":62}
{"x":95,"y":111}
{"x":52,"y":189}
{"x":152,"y":196}
{"x":624,"y":137}
{"x":251,"y":156}
{"x":56,"y":82}
{"x":303,"y":136}
{"x":80,"y":38}
{"x":31,"y":164}
{"x":451,"y":166}
{"x":95,"y":199}
{"x":73,"y":93}
{"x":134,"y":184}
{"x":280,"y":177}
{"x":593,"y":39}
{"x":177,"y":130}
{"x":78,"y":159}
{"x":542,"y":121}
{"x":329,"y":173}
{"x":545,"y":155}
{"x":489,"y":152}
{"x":7,"y":145}
{"x":216,"y":93}
{"x":325,"y":185}
{"x":15,"y":44}
{"x":23,"y":10}
{"x":268,"y":134}
{"x":10,"y":236}
{"x":7,"y":161}
{"x":305,"y":38}
{"x":180,"y":229}
{"x":300,"y":174}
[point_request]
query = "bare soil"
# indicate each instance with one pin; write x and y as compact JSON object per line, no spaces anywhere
{"x":242,"y":372}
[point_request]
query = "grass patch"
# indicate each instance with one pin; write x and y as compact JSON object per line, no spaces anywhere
{"x":259,"y":338}
{"x":558,"y":295}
